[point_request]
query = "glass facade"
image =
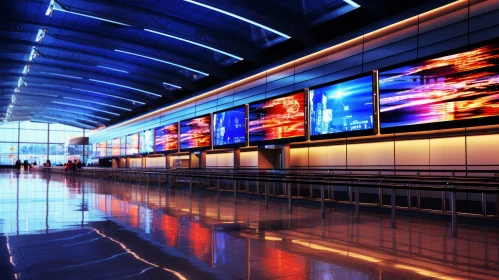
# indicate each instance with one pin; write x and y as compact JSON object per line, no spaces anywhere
{"x":37,"y":142}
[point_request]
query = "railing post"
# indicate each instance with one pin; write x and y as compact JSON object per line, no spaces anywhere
{"x":357,"y":205}
{"x":218,"y":187}
{"x":409,"y":198}
{"x":235,"y":191}
{"x":484,"y":205}
{"x":350,"y":195}
{"x":323,"y":203}
{"x":394,"y":206}
{"x":267,"y":189}
{"x":380,"y":196}
{"x":454,"y":213}
{"x":289,"y":198}
{"x":444,"y":201}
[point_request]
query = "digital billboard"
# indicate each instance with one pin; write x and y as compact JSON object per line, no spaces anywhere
{"x":109,"y":148}
{"x":123,"y":146}
{"x":100,"y":149}
{"x":342,"y":109}
{"x":456,"y":90}
{"x":195,"y":133}
{"x":277,"y":119}
{"x":132,"y":144}
{"x":166,"y":138}
{"x":146,"y":141}
{"x":229,"y":128}
{"x":115,"y":147}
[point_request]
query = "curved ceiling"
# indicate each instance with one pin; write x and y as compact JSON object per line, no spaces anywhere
{"x":92,"y":63}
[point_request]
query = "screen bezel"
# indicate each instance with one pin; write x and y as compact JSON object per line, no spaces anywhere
{"x":235,"y":145}
{"x":357,"y":133}
{"x":491,"y":120}
{"x":285,"y":140}
{"x":195,"y":148}
{"x":178,"y":140}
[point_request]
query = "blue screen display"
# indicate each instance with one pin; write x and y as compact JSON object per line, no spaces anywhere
{"x":229,"y":127}
{"x":342,"y":107}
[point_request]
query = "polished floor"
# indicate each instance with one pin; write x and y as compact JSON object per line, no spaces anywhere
{"x":63,"y":227}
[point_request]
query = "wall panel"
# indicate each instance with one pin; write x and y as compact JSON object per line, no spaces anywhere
{"x":483,"y":149}
{"x":249,"y":159}
{"x":371,"y":154}
{"x":447,"y":151}
{"x":299,"y":157}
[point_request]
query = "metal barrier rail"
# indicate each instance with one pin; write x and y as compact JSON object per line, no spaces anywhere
{"x":446,"y":185}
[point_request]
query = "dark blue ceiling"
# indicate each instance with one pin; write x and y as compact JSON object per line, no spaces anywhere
{"x":102,"y":61}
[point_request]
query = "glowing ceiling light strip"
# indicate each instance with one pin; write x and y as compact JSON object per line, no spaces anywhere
{"x":194,"y":43}
{"x":171,"y":85}
{"x":83,"y":15}
{"x":84,"y":107}
{"x":40,"y":35}
{"x":62,"y":75}
{"x":163,"y":61}
{"x":50,"y":85}
{"x":37,"y":94}
{"x":118,"y":85}
{"x":26,"y":69}
{"x":66,"y":121}
{"x":100,"y":103}
{"x":78,"y":113}
{"x":114,"y":69}
{"x":240,"y":18}
{"x":84,"y":119}
{"x":110,"y":95}
{"x":352,"y":3}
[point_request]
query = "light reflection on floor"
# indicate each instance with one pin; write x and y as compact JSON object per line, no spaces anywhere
{"x":62,"y":227}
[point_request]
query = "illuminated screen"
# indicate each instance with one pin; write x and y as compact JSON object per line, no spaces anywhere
{"x":458,"y":87}
{"x":195,"y":133}
{"x":123,"y":146}
{"x":100,"y":149}
{"x":229,"y":127}
{"x":115,"y":150}
{"x":166,"y":138}
{"x":132,"y":144}
{"x":342,"y":107}
{"x":146,"y":141}
{"x":278,"y":118}
{"x":109,"y":148}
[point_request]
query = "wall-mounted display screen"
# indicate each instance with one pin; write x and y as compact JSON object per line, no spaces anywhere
{"x":450,"y":91}
{"x":229,"y":127}
{"x":166,"y":138}
{"x":132,"y":144}
{"x":146,"y":141}
{"x":100,"y":149}
{"x":277,"y":118}
{"x":115,"y":150}
{"x":109,"y":148}
{"x":195,"y":133}
{"x":123,"y":146}
{"x":342,"y":109}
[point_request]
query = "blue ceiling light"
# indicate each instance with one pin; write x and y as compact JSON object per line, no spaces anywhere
{"x":100,"y":103}
{"x":194,"y":43}
{"x":61,"y":75}
{"x":171,"y":85}
{"x":118,"y":85}
{"x":26,"y":69}
{"x":240,"y":18}
{"x":63,"y":121}
{"x":40,"y":35}
{"x":54,"y":118}
{"x":113,"y":69}
{"x":54,"y":6}
{"x":21,"y":82}
{"x":84,"y":107}
{"x":163,"y":61}
{"x":33,"y":54}
{"x":352,"y":3}
{"x":110,"y":95}
{"x":78,"y":113}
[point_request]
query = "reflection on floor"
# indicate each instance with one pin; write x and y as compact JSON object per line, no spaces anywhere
{"x":64,"y":227}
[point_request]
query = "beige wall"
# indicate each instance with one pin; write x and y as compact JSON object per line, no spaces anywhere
{"x":220,"y":160}
{"x":155,"y":162}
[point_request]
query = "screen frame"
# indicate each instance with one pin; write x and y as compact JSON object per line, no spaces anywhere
{"x":491,"y":120}
{"x":356,"y":133}
{"x":178,"y":140}
{"x":285,"y":140}
{"x":246,"y":130}
{"x":196,"y":148}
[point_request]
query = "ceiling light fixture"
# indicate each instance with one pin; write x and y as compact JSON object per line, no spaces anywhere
{"x":171,"y":85}
{"x":26,"y":69}
{"x":194,"y":43}
{"x":61,"y":75}
{"x":118,"y":85}
{"x":40,"y":35}
{"x":84,"y":107}
{"x":54,"y":6}
{"x":78,"y":113}
{"x":240,"y":18}
{"x":110,"y":95}
{"x":100,"y":103}
{"x":352,"y":3}
{"x":109,"y":68}
{"x":33,"y":54}
{"x":163,"y":61}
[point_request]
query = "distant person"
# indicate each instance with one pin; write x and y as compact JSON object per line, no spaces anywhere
{"x":48,"y":164}
{"x":73,"y":166}
{"x":26,"y":165}
{"x":18,"y":164}
{"x":78,"y":164}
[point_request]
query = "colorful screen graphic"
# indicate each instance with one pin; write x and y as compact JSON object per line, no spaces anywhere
{"x":146,"y":141}
{"x":166,"y":138}
{"x":123,"y":146}
{"x":115,"y":150}
{"x":195,"y":133}
{"x":456,"y":87}
{"x":342,"y":107}
{"x":229,"y":127}
{"x":132,"y":144}
{"x":278,"y":118}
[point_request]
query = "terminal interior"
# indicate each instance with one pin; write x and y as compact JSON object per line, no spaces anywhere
{"x":213,"y":139}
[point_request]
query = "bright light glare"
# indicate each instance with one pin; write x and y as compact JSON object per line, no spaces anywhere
{"x":84,"y":107}
{"x":194,"y":43}
{"x":163,"y":61}
{"x":240,"y":18}
{"x":100,"y":103}
{"x":352,"y":3}
{"x":118,"y":85}
{"x":114,"y":69}
{"x":171,"y":85}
